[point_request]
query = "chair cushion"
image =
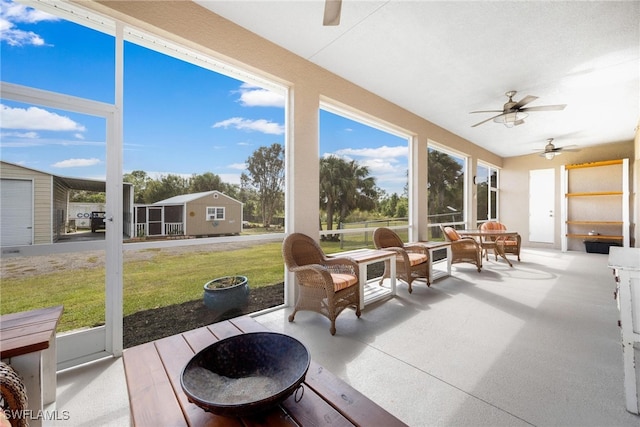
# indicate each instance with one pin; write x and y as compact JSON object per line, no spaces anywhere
{"x":452,"y":234}
{"x":343,"y":281}
{"x":493,"y":226}
{"x":415,"y":259}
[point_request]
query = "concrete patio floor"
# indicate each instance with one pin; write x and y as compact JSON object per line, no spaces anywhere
{"x":536,"y":344}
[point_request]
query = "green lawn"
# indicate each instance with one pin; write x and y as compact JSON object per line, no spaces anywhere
{"x":163,"y":279}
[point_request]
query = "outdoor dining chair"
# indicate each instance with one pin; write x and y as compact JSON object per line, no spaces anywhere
{"x":325,"y":285}
{"x":463,"y":249}
{"x":510,"y":244}
{"x":412,"y":259}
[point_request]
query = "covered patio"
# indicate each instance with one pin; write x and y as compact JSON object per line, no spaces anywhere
{"x":537,"y":344}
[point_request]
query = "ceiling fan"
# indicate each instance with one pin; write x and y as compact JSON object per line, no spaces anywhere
{"x":332,"y":10}
{"x":513,"y":113}
{"x":550,"y":150}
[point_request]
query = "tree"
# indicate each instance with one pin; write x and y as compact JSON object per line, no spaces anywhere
{"x":83,"y":196}
{"x":167,"y":186}
{"x":206,"y":182}
{"x":446,"y":184}
{"x":344,"y":187}
{"x":265,"y":174}
{"x":139,"y":179}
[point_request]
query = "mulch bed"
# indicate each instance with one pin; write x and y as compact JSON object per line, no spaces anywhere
{"x":149,"y":325}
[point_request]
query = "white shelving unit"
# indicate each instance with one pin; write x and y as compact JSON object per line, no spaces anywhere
{"x":596,"y":198}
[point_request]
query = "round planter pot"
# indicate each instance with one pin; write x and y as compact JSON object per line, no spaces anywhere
{"x":226,"y":293}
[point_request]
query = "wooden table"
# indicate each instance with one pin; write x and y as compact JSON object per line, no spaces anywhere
{"x":433,"y":246}
{"x":364,"y":257}
{"x":156,"y":397}
{"x":28,"y":343}
{"x":498,"y":235}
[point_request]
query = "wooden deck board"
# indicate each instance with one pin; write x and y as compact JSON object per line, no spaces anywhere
{"x":149,"y":389}
{"x":153,"y":373}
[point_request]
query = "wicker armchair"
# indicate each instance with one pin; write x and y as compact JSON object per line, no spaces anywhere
{"x":463,"y":249}
{"x":412,"y":260}
{"x":14,"y":397}
{"x":510,"y":244}
{"x":325,"y":285}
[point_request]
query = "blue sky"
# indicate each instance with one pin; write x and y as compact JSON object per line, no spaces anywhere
{"x":178,"y":118}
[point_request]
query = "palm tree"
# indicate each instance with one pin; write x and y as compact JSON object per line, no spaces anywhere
{"x":446,"y":183}
{"x":344,"y":187}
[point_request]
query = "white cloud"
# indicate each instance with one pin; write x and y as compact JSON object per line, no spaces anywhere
{"x":8,"y":142}
{"x":160,"y":175}
{"x":230,"y":178}
{"x":74,"y":163}
{"x":238,"y":166}
{"x":35,"y":118}
{"x":260,"y":125}
{"x":383,"y":152}
{"x":253,"y":96}
{"x":17,"y":12}
{"x":14,"y":13}
{"x":25,"y":135}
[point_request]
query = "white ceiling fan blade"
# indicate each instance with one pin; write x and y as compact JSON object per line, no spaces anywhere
{"x":569,"y":148}
{"x":527,"y":99}
{"x":545,"y":108}
{"x":332,"y":10}
{"x":490,"y":118}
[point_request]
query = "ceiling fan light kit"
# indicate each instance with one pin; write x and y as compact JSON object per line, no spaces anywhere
{"x":511,"y":119}
{"x":513,"y":113}
{"x":551,"y":151}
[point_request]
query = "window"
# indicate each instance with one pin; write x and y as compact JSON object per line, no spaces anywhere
{"x":487,"y":193}
{"x":240,"y":114}
{"x":446,"y":189}
{"x":215,"y":213}
{"x":363,"y":176}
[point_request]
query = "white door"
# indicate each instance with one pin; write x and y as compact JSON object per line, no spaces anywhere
{"x":542,"y":184}
{"x":16,"y":211}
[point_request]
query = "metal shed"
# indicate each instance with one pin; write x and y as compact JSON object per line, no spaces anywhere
{"x":35,"y":205}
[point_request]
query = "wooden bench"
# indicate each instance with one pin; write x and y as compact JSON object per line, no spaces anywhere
{"x":28,"y":344}
{"x":156,"y":397}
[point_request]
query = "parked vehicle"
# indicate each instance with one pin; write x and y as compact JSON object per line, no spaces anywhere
{"x":97,"y":221}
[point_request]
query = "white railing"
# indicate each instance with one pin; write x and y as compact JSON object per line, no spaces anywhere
{"x":173,"y":229}
{"x":141,"y":230}
{"x":170,"y":229}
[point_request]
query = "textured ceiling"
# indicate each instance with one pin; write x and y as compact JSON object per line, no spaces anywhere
{"x":443,"y":59}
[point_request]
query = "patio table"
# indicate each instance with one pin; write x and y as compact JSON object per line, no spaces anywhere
{"x":156,"y":398}
{"x":433,"y":246}
{"x":498,"y":235}
{"x":365,"y":257}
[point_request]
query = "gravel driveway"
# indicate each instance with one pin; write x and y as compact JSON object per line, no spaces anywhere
{"x":13,"y":267}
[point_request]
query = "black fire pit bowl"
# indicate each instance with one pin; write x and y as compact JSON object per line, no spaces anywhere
{"x":245,"y":374}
